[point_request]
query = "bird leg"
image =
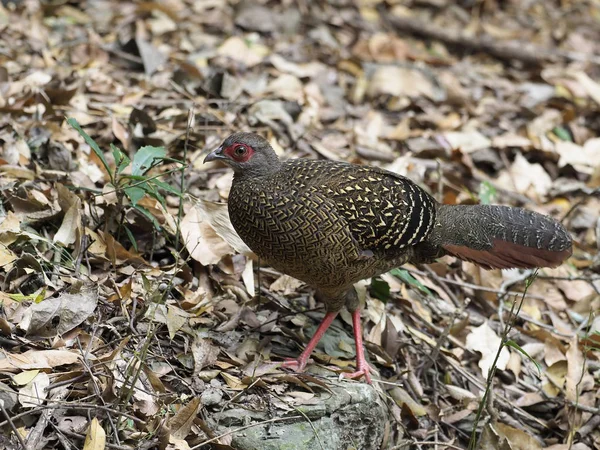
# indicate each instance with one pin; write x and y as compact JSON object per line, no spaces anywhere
{"x":362,"y":367}
{"x":300,"y":363}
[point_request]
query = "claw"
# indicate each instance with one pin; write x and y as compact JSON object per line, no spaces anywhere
{"x":297,"y":365}
{"x":366,"y":372}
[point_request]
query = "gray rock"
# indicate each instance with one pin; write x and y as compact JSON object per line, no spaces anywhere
{"x":8,"y":396}
{"x":211,"y":396}
{"x":352,"y":415}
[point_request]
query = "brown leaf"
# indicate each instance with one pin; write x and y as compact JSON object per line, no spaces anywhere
{"x":56,"y":316}
{"x":95,"y":438}
{"x":575,"y":370}
{"x":204,"y":352}
{"x":517,"y":439}
{"x":37,"y":359}
{"x":181,"y":423}
{"x":71,"y":228}
{"x":401,"y":397}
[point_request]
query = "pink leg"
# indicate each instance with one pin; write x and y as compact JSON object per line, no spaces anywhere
{"x":362,"y":367}
{"x":300,"y":363}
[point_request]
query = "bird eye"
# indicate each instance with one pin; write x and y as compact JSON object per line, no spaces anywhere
{"x":239,"y":150}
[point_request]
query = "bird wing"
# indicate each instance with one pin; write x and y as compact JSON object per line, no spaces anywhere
{"x":384,"y":211}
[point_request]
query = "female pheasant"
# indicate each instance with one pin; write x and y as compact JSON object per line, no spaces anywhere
{"x":331,"y":224}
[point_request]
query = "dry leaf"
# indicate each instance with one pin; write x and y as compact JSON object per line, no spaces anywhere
{"x":37,"y":359}
{"x":401,"y":397}
{"x":516,"y":439}
{"x":58,"y":315}
{"x":204,"y":352}
{"x":524,"y":175}
{"x":95,"y":438}
{"x":400,"y":82}
{"x":583,"y":158}
{"x":181,"y":423}
{"x":575,"y":370}
{"x":208,"y":233}
{"x":34,"y":393}
{"x":485,"y":341}
{"x":176,"y":318}
{"x":467,"y":141}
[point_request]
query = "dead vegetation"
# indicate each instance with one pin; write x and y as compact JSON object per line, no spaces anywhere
{"x":116,"y":328}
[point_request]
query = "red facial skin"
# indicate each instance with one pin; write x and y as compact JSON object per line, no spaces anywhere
{"x":239,"y":152}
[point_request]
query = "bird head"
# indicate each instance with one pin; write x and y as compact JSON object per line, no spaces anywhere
{"x":246,"y":154}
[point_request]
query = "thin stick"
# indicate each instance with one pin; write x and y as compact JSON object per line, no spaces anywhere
{"x":12,"y":425}
{"x":264,"y":422}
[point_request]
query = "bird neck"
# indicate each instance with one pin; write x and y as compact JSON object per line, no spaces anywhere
{"x":257,"y":171}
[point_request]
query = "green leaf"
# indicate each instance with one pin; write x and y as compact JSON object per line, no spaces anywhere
{"x":134,"y":177}
{"x":153,"y":192}
{"x":149,"y":216}
{"x":167,"y":187}
{"x":380,"y":289}
{"x":22,"y":298}
{"x":517,"y":347}
{"x":89,"y":141}
{"x":135,"y":193}
{"x":407,"y":278}
{"x":144,"y":159}
{"x":131,"y":238}
{"x":121,"y":159}
{"x":487,"y":193}
{"x":562,"y":133}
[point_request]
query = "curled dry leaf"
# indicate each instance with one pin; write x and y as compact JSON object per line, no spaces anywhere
{"x":577,"y":379}
{"x":583,"y":158}
{"x":241,"y":50}
{"x":402,"y":82}
{"x":37,"y":359}
{"x":56,"y":316}
{"x":204,"y":352}
{"x":208,"y":233}
{"x":467,"y":141}
{"x":95,"y":438}
{"x":401,"y":397}
{"x":524,"y":176}
{"x":485,"y":341}
{"x":70,"y":228}
{"x":181,"y":423}
{"x":34,"y":393}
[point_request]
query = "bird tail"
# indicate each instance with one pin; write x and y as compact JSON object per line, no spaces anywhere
{"x":501,"y":237}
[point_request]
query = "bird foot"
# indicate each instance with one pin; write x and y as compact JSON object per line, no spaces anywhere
{"x":297,"y":365}
{"x":359,"y":373}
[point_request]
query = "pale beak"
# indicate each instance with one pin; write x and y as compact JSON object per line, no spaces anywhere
{"x":214,"y":155}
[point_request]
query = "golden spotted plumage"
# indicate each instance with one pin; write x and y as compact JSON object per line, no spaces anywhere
{"x":331,"y":224}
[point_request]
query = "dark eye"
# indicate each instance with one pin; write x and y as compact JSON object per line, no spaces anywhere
{"x":239,"y":150}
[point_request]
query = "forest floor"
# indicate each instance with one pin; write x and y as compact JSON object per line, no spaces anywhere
{"x":117,"y":328}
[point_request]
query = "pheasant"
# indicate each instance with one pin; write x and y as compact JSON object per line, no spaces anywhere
{"x":331,"y":224}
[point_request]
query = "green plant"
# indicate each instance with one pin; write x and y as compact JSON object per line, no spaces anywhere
{"x":131,"y":187}
{"x":505,"y":342}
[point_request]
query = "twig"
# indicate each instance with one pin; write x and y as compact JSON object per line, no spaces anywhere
{"x":12,"y":426}
{"x":445,"y":444}
{"x":264,"y":422}
{"x":506,"y":51}
{"x":476,"y":286}
{"x":487,"y":402}
{"x":88,"y":369}
{"x":73,"y":406}
{"x":578,"y":203}
{"x":83,"y":437}
{"x":35,"y":436}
